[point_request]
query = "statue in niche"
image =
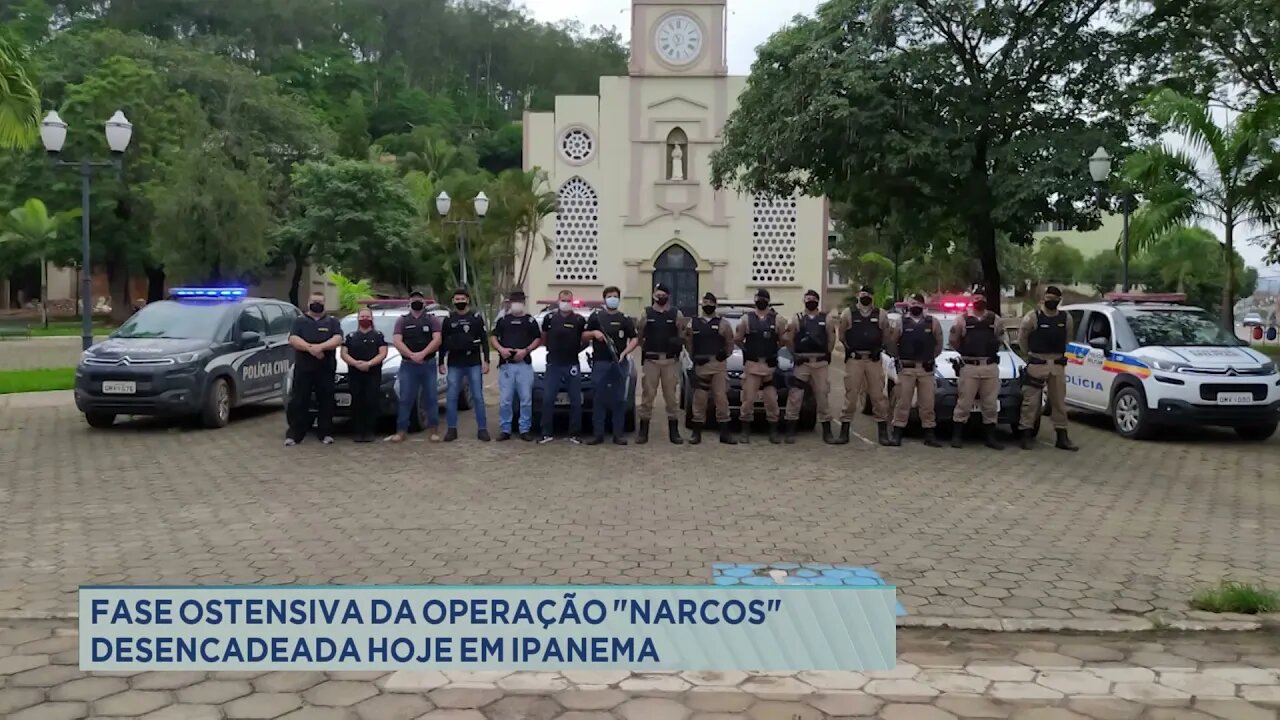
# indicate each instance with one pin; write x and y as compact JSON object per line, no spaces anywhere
{"x":677,"y":163}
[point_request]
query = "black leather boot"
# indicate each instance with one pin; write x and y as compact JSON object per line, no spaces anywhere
{"x":882,"y":430}
{"x":1064,"y":442}
{"x":642,"y":433}
{"x":790,"y":436}
{"x":775,"y":434}
{"x":844,"y":433}
{"x":895,"y":437}
{"x":1027,"y":439}
{"x":989,"y":437}
{"x":931,"y":438}
{"x":673,"y":430}
{"x":695,"y":437}
{"x":957,"y":436}
{"x":726,"y":436}
{"x":827,"y":436}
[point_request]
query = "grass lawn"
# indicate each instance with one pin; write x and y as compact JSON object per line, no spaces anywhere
{"x":1272,"y":350}
{"x":68,"y":328}
{"x":18,"y":381}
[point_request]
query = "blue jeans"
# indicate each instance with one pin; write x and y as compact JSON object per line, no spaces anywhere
{"x":609,"y":380}
{"x":473,"y":376}
{"x":568,"y":377}
{"x":515,"y":379}
{"x":417,"y":384}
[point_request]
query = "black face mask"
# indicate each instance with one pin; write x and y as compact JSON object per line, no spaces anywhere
{"x":416,"y":306}
{"x":460,"y":306}
{"x":316,"y":308}
{"x":811,"y":305}
{"x":917,"y":311}
{"x":865,"y":300}
{"x":980,"y":306}
{"x":1051,"y":304}
{"x":762,"y":304}
{"x":709,"y":309}
{"x":660,"y":300}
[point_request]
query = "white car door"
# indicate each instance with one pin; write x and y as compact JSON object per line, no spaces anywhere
{"x":1090,"y":383}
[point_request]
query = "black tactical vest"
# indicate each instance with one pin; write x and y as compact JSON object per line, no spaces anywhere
{"x":761,"y":343}
{"x":1049,"y":336}
{"x":864,"y":333}
{"x":918,"y":342}
{"x":708,"y":343}
{"x":661,"y":336}
{"x":416,"y":332}
{"x":980,"y":339}
{"x":460,"y":332}
{"x":811,"y":334}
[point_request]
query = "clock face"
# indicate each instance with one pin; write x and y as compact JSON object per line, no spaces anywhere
{"x":678,"y":39}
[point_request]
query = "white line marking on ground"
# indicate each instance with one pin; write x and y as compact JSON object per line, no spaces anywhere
{"x":865,"y":440}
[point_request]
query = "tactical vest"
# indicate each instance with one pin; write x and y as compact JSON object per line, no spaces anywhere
{"x":416,"y":332}
{"x":708,"y":343}
{"x":980,"y":340}
{"x":613,"y":325}
{"x":918,"y":342}
{"x":661,"y":336}
{"x":1049,"y":337}
{"x":811,"y":334}
{"x":864,"y":334}
{"x":761,"y":343}
{"x":460,"y":334}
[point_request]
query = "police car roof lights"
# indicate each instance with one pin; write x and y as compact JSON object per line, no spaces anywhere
{"x":1140,"y":297}
{"x":577,"y":302}
{"x":210,"y":293}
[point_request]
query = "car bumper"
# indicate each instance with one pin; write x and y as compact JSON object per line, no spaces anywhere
{"x":155,"y":395}
{"x":1180,"y":412}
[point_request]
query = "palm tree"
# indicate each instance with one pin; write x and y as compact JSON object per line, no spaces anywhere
{"x":19,"y":100}
{"x":521,"y":204}
{"x":33,"y":227}
{"x":1179,"y":254}
{"x":1229,"y":176}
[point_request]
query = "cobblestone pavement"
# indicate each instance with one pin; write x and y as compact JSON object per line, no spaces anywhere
{"x":939,"y":676}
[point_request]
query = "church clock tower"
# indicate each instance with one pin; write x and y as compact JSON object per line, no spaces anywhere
{"x":678,"y":38}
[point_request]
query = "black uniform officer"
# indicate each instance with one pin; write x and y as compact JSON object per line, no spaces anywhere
{"x":364,"y":350}
{"x":315,"y":338}
{"x":464,"y":355}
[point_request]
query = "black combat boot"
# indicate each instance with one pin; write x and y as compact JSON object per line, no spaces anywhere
{"x":642,"y":434}
{"x":1027,"y":438}
{"x":827,"y":436}
{"x":673,"y":430}
{"x":595,"y":440}
{"x":1064,"y":442}
{"x":775,"y":435}
{"x":844,"y":433}
{"x":745,"y":438}
{"x":931,"y":438}
{"x":882,"y":430}
{"x":895,"y":437}
{"x":957,"y":435}
{"x":790,"y":432}
{"x":695,"y":437}
{"x":726,"y":437}
{"x":989,"y":437}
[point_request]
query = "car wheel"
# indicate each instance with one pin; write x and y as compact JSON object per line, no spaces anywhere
{"x":217,"y":405}
{"x":100,"y":419}
{"x":1129,"y":414}
{"x":1256,"y":433}
{"x":464,"y":399}
{"x":808,"y":418}
{"x":417,"y":418}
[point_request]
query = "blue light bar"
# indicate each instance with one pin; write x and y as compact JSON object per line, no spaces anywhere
{"x":208,"y":293}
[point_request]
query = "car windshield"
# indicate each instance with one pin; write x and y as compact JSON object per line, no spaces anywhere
{"x":1178,"y":327}
{"x":386,"y":324}
{"x":175,"y":320}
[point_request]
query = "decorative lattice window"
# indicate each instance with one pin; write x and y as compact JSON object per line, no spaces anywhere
{"x":577,"y":145}
{"x":773,"y":240}
{"x":577,"y":244}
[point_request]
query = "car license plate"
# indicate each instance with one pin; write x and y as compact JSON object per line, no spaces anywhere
{"x":1235,"y":398}
{"x":121,"y":387}
{"x":562,"y":398}
{"x":342,"y":399}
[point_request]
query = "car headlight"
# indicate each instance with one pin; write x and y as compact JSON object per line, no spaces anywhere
{"x":186,"y":357}
{"x":1268,"y":368}
{"x":85,"y":355}
{"x":1167,"y":365}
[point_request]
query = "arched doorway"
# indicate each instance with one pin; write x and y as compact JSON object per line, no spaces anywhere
{"x":677,"y":269}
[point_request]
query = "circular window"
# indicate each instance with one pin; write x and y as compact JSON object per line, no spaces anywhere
{"x":577,"y":145}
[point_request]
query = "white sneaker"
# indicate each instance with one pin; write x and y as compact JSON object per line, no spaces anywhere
{"x":327,"y":440}
{"x":546,"y":439}
{"x":290,"y":442}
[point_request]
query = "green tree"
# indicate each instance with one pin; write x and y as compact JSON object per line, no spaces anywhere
{"x":36,"y":233}
{"x":1104,"y":271}
{"x":1190,"y":261}
{"x":1211,"y":45}
{"x":1057,"y":261}
{"x":19,"y":99}
{"x":521,"y":203}
{"x":1231,"y":176}
{"x":351,"y":292}
{"x":353,"y":132}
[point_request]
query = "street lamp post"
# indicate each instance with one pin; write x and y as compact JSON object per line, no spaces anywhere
{"x":481,"y":206}
{"x":53,"y":133}
{"x":1100,"y":170}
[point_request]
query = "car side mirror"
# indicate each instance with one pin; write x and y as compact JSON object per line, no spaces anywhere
{"x":249,"y":338}
{"x":1100,"y":343}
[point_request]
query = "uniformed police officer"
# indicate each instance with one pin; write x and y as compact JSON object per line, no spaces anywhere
{"x":978,"y":338}
{"x":865,"y":331}
{"x":918,"y":344}
{"x":661,"y":332}
{"x":813,"y":339}
{"x":416,"y":339}
{"x":1044,"y":333}
{"x":564,"y":335}
{"x":466,"y":354}
{"x":364,"y":350}
{"x":710,"y":343}
{"x":761,"y":334}
{"x":614,"y":338}
{"x":515,"y":336}
{"x":315,"y":339}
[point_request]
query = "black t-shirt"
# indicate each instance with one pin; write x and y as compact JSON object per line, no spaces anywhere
{"x":617,"y":327}
{"x":516,"y":332}
{"x":564,"y":337}
{"x":316,"y":332}
{"x":364,"y":345}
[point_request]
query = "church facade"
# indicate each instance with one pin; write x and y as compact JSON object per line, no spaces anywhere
{"x":632,"y":169}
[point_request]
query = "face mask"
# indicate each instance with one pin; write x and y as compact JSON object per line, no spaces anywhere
{"x":1051,"y":304}
{"x":316,"y":308}
{"x":709,"y":309}
{"x":565,"y":306}
{"x":762,"y":304}
{"x":810,"y":305}
{"x":917,"y":311}
{"x":612,"y":303}
{"x":460,"y":306}
{"x":659,"y":300}
{"x":416,"y":306}
{"x":864,"y":300}
{"x":366,"y":324}
{"x":980,"y":306}
{"x":517,"y":308}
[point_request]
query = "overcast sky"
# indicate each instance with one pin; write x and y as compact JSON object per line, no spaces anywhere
{"x":751,"y":22}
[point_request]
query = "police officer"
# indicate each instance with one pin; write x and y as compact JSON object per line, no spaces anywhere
{"x":416,"y":339}
{"x":364,"y":350}
{"x":761,"y":334}
{"x":315,"y":339}
{"x":515,"y":336}
{"x":661,"y":331}
{"x":814,"y":338}
{"x":978,"y":338}
{"x":1045,"y":332}
{"x":563,"y":333}
{"x":865,"y":331}
{"x":918,"y":342}
{"x":613,"y":336}
{"x":466,"y":355}
{"x":710,"y":343}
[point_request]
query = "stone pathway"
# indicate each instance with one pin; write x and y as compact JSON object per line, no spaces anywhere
{"x":940,"y":675}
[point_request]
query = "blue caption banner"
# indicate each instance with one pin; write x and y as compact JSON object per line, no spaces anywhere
{"x":484,"y":627}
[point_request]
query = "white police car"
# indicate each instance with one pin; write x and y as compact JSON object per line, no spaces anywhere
{"x":539,"y":361}
{"x":1149,"y":361}
{"x":200,"y":353}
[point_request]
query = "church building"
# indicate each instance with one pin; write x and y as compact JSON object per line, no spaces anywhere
{"x":633,"y":172}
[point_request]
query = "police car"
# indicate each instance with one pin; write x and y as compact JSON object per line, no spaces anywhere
{"x":200,"y":353}
{"x":539,"y":362}
{"x":735,"y":313}
{"x":948,"y":311}
{"x":1150,"y":361}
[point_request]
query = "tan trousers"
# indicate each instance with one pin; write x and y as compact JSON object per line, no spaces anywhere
{"x":980,"y":383}
{"x":711,"y":379}
{"x":1053,"y":378}
{"x":864,"y":376}
{"x":814,"y":375}
{"x":757,"y":379}
{"x":652,"y":373}
{"x":915,"y":383}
